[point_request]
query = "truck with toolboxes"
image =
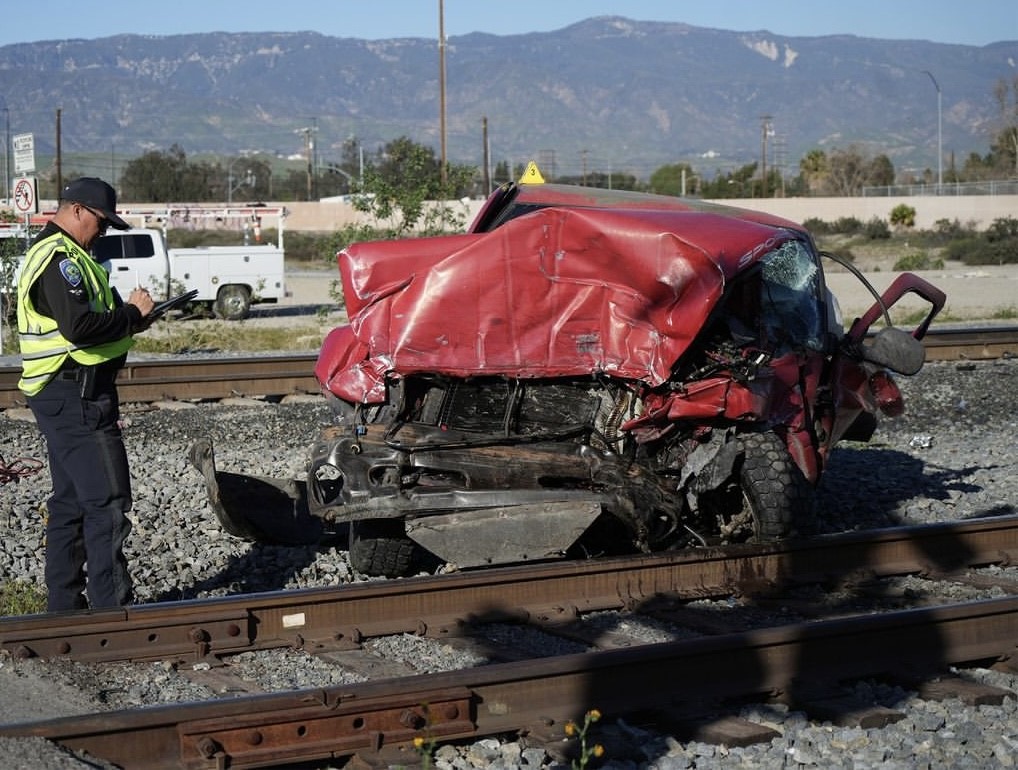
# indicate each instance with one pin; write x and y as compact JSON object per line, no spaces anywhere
{"x":228,"y":279}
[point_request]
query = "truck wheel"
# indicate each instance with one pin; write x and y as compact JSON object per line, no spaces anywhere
{"x":767,"y":498}
{"x":233,"y":303}
{"x":381,"y":548}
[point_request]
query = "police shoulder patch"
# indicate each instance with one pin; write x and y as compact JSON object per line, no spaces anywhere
{"x":70,"y":272}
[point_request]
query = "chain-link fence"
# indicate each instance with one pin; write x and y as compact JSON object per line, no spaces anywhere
{"x":989,"y":187}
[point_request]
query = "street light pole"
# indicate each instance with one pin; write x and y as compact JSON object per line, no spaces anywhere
{"x":7,"y":151}
{"x":443,"y":171}
{"x":249,"y":180}
{"x":940,"y":133}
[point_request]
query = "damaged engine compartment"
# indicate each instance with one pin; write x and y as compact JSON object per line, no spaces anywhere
{"x":583,"y":373}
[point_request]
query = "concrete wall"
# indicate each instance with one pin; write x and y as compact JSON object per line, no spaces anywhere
{"x":977,"y":210}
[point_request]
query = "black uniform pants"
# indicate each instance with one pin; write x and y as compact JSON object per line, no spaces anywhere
{"x":87,"y":520}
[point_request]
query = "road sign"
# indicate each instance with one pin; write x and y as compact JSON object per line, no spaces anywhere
{"x":25,"y":199}
{"x":24,"y":154}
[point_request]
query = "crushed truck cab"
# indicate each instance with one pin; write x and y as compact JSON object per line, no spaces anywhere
{"x":584,"y":372}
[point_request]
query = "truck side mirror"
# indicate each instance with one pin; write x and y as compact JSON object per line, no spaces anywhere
{"x":895,"y":349}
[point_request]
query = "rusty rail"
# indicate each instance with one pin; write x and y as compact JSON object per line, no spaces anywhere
{"x":266,"y":375}
{"x":191,"y":378}
{"x":336,"y":618}
{"x":971,"y":344}
{"x":385,"y":716}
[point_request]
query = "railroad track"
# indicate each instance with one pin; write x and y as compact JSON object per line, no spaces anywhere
{"x":378,"y":720}
{"x":182,"y":379}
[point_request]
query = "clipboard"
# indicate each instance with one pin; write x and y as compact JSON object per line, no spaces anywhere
{"x":173,"y":302}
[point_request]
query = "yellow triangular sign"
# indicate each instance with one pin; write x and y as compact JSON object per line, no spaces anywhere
{"x":531,"y":175}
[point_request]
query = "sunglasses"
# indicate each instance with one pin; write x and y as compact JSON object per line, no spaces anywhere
{"x":102,"y":221}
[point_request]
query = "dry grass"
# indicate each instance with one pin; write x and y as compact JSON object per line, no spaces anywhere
{"x":180,"y":337}
{"x":20,"y":598}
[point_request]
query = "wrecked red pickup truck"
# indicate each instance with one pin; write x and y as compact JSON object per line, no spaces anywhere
{"x":583,"y":372}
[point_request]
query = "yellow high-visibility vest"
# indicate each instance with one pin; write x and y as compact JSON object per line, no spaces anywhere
{"x":43,"y":348}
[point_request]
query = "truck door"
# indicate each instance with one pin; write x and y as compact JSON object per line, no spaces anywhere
{"x":132,"y":260}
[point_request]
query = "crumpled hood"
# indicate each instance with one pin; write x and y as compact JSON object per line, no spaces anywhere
{"x":558,"y":292}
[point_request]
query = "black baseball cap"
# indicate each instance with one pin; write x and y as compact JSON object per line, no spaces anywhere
{"x":95,"y":193}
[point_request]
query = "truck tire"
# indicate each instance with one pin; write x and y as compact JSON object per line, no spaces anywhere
{"x":778,"y":493}
{"x":233,"y":302}
{"x":381,"y":548}
{"x":769,"y":498}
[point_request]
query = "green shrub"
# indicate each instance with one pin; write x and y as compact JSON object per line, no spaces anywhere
{"x":1002,"y":252}
{"x":877,"y":229}
{"x":847,"y":225}
{"x":903,"y":215}
{"x":960,"y":248}
{"x":980,"y":251}
{"x":817,"y":226}
{"x":1002,"y":229}
{"x":951,"y":229}
{"x":918,"y":260}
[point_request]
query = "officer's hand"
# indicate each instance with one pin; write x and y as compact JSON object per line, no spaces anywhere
{"x":142,"y":300}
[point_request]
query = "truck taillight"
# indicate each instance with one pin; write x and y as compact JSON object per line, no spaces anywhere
{"x":887,"y":394}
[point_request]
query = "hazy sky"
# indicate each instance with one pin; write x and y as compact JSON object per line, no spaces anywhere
{"x":971,"y":22}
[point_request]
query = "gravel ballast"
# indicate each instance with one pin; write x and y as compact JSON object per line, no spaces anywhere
{"x":951,"y":456}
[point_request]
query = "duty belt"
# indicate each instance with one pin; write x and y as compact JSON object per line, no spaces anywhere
{"x":73,"y":373}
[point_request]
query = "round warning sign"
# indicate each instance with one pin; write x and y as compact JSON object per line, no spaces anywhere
{"x":24,"y":195}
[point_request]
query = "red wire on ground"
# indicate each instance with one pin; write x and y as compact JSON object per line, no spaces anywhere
{"x":18,"y":468}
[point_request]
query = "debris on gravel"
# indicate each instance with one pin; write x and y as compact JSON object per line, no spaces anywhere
{"x":951,"y":456}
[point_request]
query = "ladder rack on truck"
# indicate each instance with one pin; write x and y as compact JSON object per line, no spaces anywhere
{"x":229,"y":279}
{"x":249,"y":221}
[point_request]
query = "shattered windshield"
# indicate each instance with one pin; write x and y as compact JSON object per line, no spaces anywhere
{"x":790,"y":301}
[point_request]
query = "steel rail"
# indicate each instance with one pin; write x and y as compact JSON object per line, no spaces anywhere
{"x":970,"y":344}
{"x":196,"y":378}
{"x":372,"y":718}
{"x":341,"y":617}
{"x":146,"y":381}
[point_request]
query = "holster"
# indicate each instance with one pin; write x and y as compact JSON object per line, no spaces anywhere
{"x":89,"y":382}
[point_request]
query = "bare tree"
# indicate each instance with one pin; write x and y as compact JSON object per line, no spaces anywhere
{"x":1006,"y":94}
{"x":848,"y":171}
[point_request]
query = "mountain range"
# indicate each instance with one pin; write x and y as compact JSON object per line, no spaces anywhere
{"x":606,"y":94}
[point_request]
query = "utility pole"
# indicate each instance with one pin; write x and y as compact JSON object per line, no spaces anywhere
{"x":940,"y":133}
{"x":7,"y":151}
{"x":309,"y":150}
{"x":779,"y":161}
{"x":60,"y":173}
{"x":766,"y":131}
{"x":441,"y":85}
{"x":487,"y":156}
{"x":547,"y":164}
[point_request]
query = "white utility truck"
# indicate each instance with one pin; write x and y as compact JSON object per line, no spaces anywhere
{"x":229,"y":279}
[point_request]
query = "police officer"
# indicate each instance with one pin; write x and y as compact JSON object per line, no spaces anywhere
{"x":75,"y":331}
